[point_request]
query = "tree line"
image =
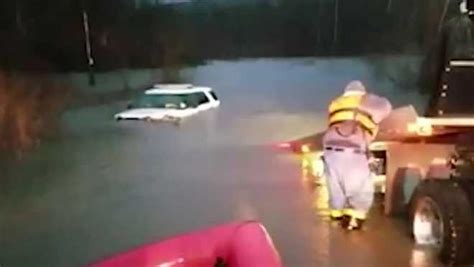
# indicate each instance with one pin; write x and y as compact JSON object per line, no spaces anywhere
{"x":49,"y":34}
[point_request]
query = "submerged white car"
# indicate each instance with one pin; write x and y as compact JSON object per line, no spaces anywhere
{"x":170,"y":103}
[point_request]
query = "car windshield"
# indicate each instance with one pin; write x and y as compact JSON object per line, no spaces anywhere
{"x":171,"y":101}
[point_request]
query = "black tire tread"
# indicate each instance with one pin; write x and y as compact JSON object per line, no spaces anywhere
{"x":456,"y":211}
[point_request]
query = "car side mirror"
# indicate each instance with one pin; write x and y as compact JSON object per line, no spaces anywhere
{"x":129,"y":106}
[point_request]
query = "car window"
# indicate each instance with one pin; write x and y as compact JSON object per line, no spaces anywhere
{"x":170,"y":101}
{"x":214,"y":95}
{"x":202,"y":98}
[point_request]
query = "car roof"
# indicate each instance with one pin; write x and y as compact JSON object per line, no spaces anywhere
{"x":176,"y":89}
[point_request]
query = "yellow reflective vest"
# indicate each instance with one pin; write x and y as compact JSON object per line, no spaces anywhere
{"x":348,"y":108}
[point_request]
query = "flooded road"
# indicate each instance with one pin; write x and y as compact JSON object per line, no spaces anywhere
{"x":105,"y":187}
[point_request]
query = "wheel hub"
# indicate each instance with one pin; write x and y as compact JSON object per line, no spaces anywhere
{"x":428,"y":226}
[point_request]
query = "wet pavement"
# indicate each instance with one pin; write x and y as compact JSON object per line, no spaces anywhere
{"x":105,"y":187}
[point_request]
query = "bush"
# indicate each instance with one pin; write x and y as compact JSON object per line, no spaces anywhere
{"x":29,"y":111}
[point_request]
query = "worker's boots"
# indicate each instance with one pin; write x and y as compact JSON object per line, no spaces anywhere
{"x":351,"y":223}
{"x":345,"y":220}
{"x":336,"y":215}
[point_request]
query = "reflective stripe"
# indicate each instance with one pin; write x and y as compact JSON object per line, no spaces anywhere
{"x":345,"y":102}
{"x":336,"y":213}
{"x":342,"y":115}
{"x":346,"y":108}
{"x":355,"y":214}
{"x":366,"y":120}
{"x":352,"y":109}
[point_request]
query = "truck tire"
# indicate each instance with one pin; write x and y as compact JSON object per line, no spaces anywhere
{"x":441,"y":217}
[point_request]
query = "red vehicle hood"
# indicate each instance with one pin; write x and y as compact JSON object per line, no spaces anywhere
{"x":240,"y":244}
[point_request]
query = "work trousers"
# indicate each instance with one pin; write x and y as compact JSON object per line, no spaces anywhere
{"x":349,"y":182}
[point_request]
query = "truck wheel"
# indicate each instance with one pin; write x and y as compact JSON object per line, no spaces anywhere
{"x":441,"y":218}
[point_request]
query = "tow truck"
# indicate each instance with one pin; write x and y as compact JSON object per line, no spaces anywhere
{"x":427,"y":166}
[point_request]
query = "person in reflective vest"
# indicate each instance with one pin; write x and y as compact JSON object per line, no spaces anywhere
{"x":353,"y":121}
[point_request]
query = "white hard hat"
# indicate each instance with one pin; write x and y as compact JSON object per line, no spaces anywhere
{"x":463,"y":7}
{"x":355,"y":88}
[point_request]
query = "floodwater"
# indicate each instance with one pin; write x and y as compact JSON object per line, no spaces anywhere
{"x":105,"y":187}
